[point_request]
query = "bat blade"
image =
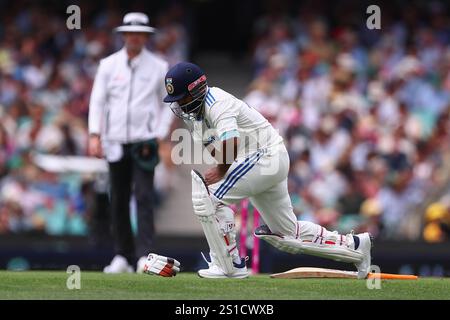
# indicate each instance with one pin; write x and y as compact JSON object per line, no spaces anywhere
{"x":311,"y":272}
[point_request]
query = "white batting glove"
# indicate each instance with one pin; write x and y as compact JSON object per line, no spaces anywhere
{"x":201,"y":201}
{"x":161,"y":265}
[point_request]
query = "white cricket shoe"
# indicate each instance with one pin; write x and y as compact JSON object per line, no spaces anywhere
{"x":140,"y":264}
{"x":365,"y":246}
{"x":118,"y":265}
{"x":214,"y":271}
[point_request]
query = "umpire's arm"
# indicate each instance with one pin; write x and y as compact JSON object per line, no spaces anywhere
{"x":96,"y":111}
{"x":166,"y":115}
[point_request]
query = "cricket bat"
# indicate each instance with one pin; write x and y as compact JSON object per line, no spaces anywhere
{"x":310,"y":272}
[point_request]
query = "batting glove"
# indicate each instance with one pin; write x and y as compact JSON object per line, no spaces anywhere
{"x":162,"y":266}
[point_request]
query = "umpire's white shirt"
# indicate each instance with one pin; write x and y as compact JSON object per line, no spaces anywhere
{"x":127,"y":98}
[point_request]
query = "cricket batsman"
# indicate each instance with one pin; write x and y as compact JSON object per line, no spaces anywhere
{"x":252,"y":163}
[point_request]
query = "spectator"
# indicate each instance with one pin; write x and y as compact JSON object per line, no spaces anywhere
{"x":437,"y":218}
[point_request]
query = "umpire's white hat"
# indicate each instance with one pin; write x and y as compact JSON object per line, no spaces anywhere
{"x":135,"y":22}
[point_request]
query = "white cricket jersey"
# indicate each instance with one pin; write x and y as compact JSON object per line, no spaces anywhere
{"x":226,"y":117}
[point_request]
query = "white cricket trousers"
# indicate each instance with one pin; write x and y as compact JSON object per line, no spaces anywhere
{"x":261,"y":177}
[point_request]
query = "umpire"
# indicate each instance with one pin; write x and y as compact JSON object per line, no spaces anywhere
{"x":126,"y":120}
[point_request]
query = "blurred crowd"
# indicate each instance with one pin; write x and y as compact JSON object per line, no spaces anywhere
{"x":46,"y":75}
{"x":365,"y":114}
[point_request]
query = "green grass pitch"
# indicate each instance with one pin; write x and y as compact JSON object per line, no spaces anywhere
{"x":188,"y":286}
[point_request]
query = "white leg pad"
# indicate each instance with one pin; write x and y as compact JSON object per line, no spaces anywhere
{"x":315,"y":240}
{"x":227,"y":226}
{"x":205,"y":209}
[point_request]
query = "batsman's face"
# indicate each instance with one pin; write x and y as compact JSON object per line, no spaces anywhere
{"x":185,"y":100}
{"x":186,"y":104}
{"x":135,"y":41}
{"x":187,"y":108}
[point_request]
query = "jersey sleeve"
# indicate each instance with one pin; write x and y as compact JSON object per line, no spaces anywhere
{"x":166,"y":115}
{"x":98,"y":99}
{"x":223,"y":115}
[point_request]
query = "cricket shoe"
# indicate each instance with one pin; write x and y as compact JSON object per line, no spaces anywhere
{"x":365,"y":246}
{"x":140,"y":264}
{"x":214,"y":271}
{"x":263,"y":230}
{"x":118,"y":265}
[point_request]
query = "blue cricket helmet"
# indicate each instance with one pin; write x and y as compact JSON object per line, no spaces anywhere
{"x":183,"y":80}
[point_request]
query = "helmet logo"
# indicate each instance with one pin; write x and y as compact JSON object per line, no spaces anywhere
{"x":169,"y":86}
{"x":196,"y":82}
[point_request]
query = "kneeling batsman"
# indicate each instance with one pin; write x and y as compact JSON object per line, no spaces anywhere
{"x":161,"y":265}
{"x":310,"y":239}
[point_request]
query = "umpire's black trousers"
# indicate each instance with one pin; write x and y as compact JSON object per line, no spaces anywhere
{"x":124,"y":175}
